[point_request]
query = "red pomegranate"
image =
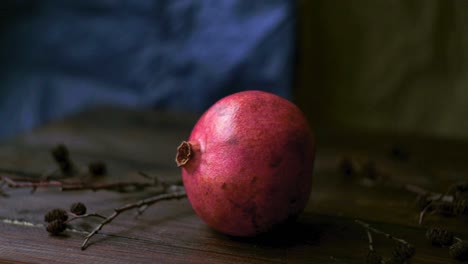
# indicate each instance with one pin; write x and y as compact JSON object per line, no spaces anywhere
{"x":247,"y":166}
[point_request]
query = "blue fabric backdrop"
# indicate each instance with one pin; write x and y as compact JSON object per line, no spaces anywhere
{"x":59,"y":56}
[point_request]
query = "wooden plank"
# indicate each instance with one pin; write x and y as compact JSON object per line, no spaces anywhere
{"x":38,"y":247}
{"x":170,"y":232}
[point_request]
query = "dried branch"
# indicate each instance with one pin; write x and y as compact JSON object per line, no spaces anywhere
{"x":30,"y":184}
{"x":74,"y":185}
{"x":177,"y":192}
{"x":106,"y":186}
{"x":371,"y":241}
{"x":72,"y":178}
{"x":454,"y":202}
{"x":58,"y":219}
{"x":428,"y":194}
{"x":402,"y":252}
{"x":75,"y":217}
{"x":377,"y":231}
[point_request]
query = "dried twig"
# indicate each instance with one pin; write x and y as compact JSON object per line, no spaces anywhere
{"x":30,"y":184}
{"x":72,"y":178}
{"x":428,"y":194}
{"x":75,"y":216}
{"x":371,"y":241}
{"x":61,"y":176}
{"x":459,"y":250}
{"x":74,"y":185}
{"x":58,"y":219}
{"x":176,"y":192}
{"x":377,"y":231}
{"x":454,"y":202}
{"x":401,"y":253}
{"x":106,"y":186}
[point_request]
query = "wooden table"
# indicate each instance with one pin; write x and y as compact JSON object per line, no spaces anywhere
{"x":170,"y":232}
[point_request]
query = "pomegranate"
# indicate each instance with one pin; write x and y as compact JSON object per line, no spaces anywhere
{"x":247,"y":166}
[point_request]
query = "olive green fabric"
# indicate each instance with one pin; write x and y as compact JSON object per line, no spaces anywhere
{"x":389,"y":65}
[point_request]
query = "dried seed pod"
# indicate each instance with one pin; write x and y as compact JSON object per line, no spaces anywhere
{"x":374,"y":258}
{"x":56,"y":227}
{"x":439,"y":237}
{"x":78,"y":208}
{"x":56,"y":214}
{"x":61,"y":156}
{"x":459,"y":250}
{"x":60,"y":153}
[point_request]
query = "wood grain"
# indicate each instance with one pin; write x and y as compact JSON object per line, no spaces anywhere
{"x":170,"y":232}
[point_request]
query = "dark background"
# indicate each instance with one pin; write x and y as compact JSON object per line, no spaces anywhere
{"x":391,"y":66}
{"x":385,"y":66}
{"x":60,"y":57}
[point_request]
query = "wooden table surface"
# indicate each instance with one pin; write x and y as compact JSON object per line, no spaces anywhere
{"x":170,"y":232}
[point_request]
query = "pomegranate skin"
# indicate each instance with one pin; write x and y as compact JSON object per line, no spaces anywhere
{"x":247,"y":166}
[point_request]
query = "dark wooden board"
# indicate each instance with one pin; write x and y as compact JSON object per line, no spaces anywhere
{"x":170,"y":232}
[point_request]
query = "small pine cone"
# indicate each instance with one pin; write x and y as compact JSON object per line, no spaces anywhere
{"x":97,"y":168}
{"x":78,"y":208}
{"x":459,"y":251}
{"x":56,"y":227}
{"x":403,"y":251}
{"x":62,"y":158}
{"x":374,"y":258}
{"x":439,"y":237}
{"x":56,"y":214}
